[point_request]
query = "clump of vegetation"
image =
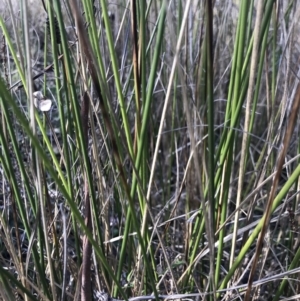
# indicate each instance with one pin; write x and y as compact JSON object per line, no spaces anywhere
{"x":149,"y":149}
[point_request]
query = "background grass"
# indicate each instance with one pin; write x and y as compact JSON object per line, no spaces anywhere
{"x":167,"y":163}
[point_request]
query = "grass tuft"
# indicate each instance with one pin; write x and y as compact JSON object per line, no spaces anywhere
{"x":149,"y":149}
